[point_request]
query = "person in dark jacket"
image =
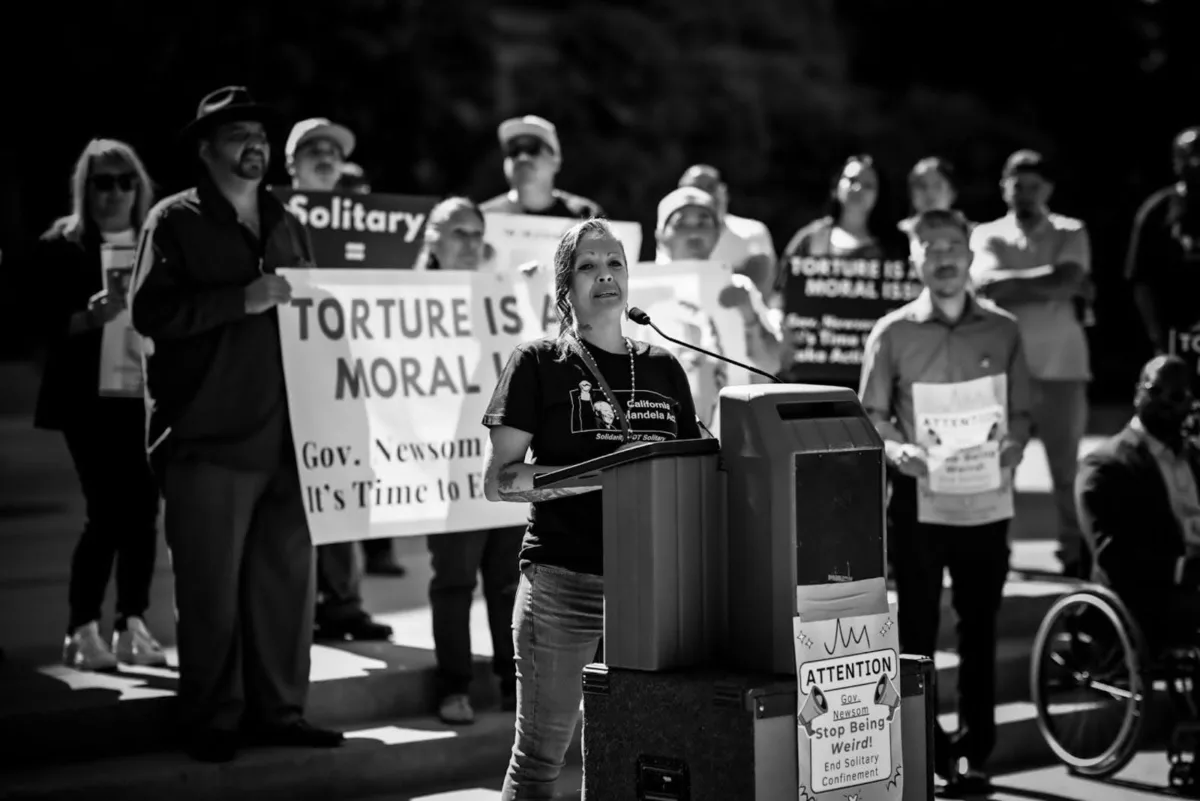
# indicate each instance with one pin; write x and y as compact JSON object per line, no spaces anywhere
{"x":1140,"y":510}
{"x":205,"y":297}
{"x":110,"y":196}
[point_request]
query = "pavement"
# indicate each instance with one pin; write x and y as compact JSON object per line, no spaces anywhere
{"x":1142,"y":780}
{"x":85,"y":735}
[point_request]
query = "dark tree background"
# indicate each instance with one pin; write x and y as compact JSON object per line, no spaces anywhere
{"x":775,"y":92}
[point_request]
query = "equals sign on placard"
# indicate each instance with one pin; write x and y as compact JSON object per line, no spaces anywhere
{"x":356,"y":251}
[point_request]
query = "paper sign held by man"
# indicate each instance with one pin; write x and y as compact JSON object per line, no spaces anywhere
{"x":962,"y":426}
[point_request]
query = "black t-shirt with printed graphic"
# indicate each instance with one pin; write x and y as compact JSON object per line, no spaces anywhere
{"x":558,"y":401}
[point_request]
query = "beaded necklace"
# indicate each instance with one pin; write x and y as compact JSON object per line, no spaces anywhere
{"x":591,"y":363}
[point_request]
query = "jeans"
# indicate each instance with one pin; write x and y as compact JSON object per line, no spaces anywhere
{"x":1060,"y":413}
{"x":557,"y":623}
{"x":977,"y":558}
{"x":458,"y":560}
{"x":122,"y":511}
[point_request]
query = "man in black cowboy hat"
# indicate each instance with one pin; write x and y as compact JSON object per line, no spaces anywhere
{"x":204,"y":296}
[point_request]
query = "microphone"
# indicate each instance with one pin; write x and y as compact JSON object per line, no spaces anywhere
{"x":641,"y":318}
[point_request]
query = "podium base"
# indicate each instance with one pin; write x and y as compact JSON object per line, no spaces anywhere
{"x":710,"y":735}
{"x":688,"y":736}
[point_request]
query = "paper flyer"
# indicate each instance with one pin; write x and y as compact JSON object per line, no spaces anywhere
{"x":120,"y":345}
{"x":962,"y":426}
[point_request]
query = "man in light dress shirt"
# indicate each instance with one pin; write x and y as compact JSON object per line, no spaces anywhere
{"x":1037,"y":265}
{"x":950,"y":345}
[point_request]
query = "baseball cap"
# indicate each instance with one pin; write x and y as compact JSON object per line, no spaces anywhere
{"x":529,"y":125}
{"x":319,"y":128}
{"x":704,"y":176}
{"x":681,"y":198}
{"x":1026,"y":161}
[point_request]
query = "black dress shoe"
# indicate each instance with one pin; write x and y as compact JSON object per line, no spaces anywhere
{"x":384,"y":565}
{"x":362,"y":629}
{"x":299,"y":734}
{"x":214,"y":745}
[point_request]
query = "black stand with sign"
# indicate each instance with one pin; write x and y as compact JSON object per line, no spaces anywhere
{"x":715,"y":735}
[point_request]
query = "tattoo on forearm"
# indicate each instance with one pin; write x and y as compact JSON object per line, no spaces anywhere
{"x":506,"y":479}
{"x":548,"y":494}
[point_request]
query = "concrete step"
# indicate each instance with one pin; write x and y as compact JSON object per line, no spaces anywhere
{"x":1146,"y":778}
{"x":391,"y":756}
{"x":376,"y":692}
{"x":64,"y":715}
{"x":1019,"y":742}
{"x":1026,"y":602}
{"x":1012,"y":673}
{"x":60,"y":709}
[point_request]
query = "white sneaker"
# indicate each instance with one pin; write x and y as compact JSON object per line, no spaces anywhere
{"x":85,"y":649}
{"x":456,"y":709}
{"x":136,"y":646}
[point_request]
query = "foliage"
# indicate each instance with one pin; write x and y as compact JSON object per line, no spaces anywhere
{"x":774,"y":92}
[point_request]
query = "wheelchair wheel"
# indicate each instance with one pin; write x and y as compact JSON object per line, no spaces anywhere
{"x":1087,"y":683}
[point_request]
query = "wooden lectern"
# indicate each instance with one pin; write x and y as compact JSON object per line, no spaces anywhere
{"x":665,"y":552}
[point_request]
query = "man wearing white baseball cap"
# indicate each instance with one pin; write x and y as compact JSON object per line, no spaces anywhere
{"x":532,"y":158}
{"x":315,"y":152}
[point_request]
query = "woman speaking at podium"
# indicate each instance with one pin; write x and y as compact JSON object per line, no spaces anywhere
{"x":566,"y":399}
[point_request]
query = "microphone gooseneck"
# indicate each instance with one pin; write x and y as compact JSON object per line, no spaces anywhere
{"x":641,"y":318}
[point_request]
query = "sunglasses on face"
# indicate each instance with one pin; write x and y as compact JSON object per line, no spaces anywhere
{"x":107,"y":183}
{"x":528,"y":148}
{"x":1173,"y":396}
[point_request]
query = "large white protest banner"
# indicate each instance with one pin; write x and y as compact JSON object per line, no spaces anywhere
{"x":523,"y":240}
{"x":389,"y":373}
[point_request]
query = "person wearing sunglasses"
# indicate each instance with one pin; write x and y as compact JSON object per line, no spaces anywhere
{"x":1139,"y":508}
{"x":532,"y":159}
{"x":110,"y":198}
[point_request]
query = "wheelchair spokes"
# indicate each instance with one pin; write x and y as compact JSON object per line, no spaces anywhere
{"x":1087,"y":685}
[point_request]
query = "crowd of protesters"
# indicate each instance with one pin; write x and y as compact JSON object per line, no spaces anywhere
{"x":1011,"y":296}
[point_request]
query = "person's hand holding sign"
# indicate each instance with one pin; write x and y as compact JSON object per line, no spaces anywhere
{"x":1011,"y":453}
{"x":909,"y":459}
{"x":267,"y":292}
{"x":740,"y":294}
{"x":104,"y":306}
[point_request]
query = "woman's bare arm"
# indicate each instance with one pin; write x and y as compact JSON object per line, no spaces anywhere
{"x":508,"y":477}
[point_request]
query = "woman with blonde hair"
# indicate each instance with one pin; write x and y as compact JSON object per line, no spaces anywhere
{"x":111,"y":195}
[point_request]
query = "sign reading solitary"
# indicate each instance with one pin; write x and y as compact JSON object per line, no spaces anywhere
{"x":350,"y":230}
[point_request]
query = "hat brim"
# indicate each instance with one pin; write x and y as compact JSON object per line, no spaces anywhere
{"x":511,"y":129}
{"x":340,"y":134}
{"x":244,"y":112}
